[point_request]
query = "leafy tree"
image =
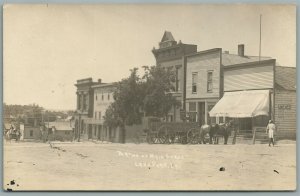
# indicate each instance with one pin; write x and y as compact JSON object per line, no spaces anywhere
{"x":158,"y":85}
{"x":125,"y":110}
{"x":136,"y":97}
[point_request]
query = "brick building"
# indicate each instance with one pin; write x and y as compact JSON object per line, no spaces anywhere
{"x":93,"y":99}
{"x":170,"y":55}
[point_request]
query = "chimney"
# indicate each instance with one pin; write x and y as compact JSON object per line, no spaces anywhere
{"x":241,"y":50}
{"x":226,"y":52}
{"x":99,"y":81}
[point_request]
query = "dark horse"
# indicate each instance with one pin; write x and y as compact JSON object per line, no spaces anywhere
{"x":215,"y":131}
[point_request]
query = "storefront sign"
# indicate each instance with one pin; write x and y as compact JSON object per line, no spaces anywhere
{"x":284,"y":106}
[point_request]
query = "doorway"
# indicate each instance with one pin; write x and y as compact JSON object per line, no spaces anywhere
{"x":90,"y":132}
{"x":201,"y":113}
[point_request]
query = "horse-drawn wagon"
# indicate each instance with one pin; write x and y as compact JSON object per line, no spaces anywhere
{"x":184,"y":132}
{"x":172,"y":132}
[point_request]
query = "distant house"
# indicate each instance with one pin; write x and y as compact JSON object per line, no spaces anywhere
{"x":60,"y":130}
{"x":29,"y":132}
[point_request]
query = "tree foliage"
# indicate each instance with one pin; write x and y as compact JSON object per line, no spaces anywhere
{"x":158,"y":85}
{"x":136,"y":96}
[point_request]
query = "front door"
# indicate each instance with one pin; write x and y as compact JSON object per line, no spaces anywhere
{"x":201,"y":113}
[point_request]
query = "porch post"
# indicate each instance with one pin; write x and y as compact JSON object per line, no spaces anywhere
{"x":206,"y":112}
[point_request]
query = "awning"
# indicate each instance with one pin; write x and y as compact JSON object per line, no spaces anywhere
{"x":242,"y":104}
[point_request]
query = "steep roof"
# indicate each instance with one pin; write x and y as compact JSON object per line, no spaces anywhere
{"x":285,"y":77}
{"x":233,"y":59}
{"x":167,"y":37}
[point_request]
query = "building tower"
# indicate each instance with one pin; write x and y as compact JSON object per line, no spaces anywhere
{"x":170,"y":55}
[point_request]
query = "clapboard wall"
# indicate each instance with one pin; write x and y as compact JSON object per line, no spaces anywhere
{"x":285,"y":112}
{"x":201,"y":63}
{"x":249,"y":76}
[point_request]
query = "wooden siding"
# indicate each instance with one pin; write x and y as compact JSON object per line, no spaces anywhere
{"x":201,"y":64}
{"x":285,"y":111}
{"x":245,"y":78}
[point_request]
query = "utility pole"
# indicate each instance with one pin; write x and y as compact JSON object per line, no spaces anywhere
{"x":260,"y":37}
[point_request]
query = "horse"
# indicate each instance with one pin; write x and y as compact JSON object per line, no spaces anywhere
{"x":208,"y":130}
{"x":223,"y":130}
{"x":214,"y":131}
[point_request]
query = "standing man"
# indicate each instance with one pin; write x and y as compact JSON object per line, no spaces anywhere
{"x":271,"y":128}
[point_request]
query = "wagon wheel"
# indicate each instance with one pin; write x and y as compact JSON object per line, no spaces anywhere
{"x":162,"y":134}
{"x":193,"y":136}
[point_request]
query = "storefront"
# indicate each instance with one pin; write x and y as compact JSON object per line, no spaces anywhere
{"x":252,"y":108}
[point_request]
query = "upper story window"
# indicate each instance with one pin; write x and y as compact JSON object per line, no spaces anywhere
{"x":194,"y":82}
{"x":108,"y":96}
{"x":209,"y":81}
{"x":84,"y":102}
{"x":102,"y":97}
{"x":95,"y":115}
{"x":96,"y":97}
{"x":100,"y":115}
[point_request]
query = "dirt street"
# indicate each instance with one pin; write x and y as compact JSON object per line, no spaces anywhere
{"x":96,"y":166}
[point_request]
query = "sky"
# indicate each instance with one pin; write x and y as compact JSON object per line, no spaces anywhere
{"x":46,"y":48}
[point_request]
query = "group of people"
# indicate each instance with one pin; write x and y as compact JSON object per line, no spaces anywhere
{"x":13,"y":133}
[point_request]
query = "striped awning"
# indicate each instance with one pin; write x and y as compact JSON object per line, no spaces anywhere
{"x":242,"y":104}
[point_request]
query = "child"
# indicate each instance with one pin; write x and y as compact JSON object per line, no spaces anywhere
{"x":271,"y":129}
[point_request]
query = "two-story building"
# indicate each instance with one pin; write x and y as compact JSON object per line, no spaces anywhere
{"x":103,"y":97}
{"x":213,"y":73}
{"x":84,"y":109}
{"x":203,"y":83}
{"x":93,"y":99}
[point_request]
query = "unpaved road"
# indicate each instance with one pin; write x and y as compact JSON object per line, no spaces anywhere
{"x":90,"y":166}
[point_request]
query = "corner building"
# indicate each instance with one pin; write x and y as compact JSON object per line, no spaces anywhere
{"x":170,"y":55}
